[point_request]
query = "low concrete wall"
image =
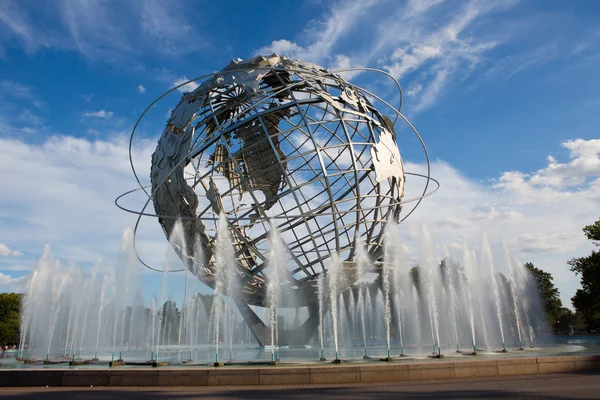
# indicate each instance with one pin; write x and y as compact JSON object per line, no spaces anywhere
{"x":293,"y":375}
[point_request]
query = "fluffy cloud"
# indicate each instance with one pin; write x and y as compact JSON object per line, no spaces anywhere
{"x":584,"y":164}
{"x":6,"y":251}
{"x":98,"y":114}
{"x":10,"y":284}
{"x":185,"y":88}
{"x":64,"y":189}
{"x":63,"y":192}
{"x":283,"y":47}
{"x":141,"y":89}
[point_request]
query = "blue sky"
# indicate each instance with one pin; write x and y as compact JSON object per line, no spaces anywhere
{"x":505,"y":93}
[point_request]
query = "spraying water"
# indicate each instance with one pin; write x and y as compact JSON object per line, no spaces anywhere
{"x":399,"y":317}
{"x":389,"y":261}
{"x":321,"y":290}
{"x":276,"y":263}
{"x":468,"y":268}
{"x":224,"y":264}
{"x":513,"y":291}
{"x":429,"y":262}
{"x":334,"y":273}
{"x":362,"y":261}
{"x":55,"y":312}
{"x":416,"y":302}
{"x":70,"y":308}
{"x":487,"y":258}
{"x":101,"y":300}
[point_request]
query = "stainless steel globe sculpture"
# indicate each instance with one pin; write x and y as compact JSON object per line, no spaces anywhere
{"x":274,"y":141}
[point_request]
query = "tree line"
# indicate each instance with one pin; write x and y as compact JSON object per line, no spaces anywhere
{"x":10,"y":318}
{"x":586,"y":300}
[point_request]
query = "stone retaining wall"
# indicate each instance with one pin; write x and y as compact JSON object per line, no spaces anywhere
{"x":294,"y":375}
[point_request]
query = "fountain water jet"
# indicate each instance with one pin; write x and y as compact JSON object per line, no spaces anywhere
{"x":321,"y":294}
{"x":362,"y":261}
{"x":389,"y":261}
{"x":513,"y":291}
{"x":276,"y":263}
{"x":486,"y":256}
{"x":430,"y":265}
{"x":333,"y":279}
{"x":224,"y":265}
{"x":466,"y":284}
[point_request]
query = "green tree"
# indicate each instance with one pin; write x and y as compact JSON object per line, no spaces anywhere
{"x":549,"y":294}
{"x":587,"y":299}
{"x":10,"y":318}
{"x":565,"y":320}
{"x":593,"y":232}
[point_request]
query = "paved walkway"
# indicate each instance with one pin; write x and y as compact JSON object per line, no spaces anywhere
{"x":548,"y":386}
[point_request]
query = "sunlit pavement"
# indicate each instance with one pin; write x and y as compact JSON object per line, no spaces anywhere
{"x":549,"y":386}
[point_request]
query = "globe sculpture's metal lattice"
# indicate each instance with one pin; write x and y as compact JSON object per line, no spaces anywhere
{"x":273,"y":140}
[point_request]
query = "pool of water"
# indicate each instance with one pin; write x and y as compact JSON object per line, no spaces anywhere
{"x":179,"y":356}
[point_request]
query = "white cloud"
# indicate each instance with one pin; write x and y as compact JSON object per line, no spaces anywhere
{"x":415,"y":90}
{"x":576,"y":176}
{"x":6,"y":251}
{"x":448,"y":51}
{"x":324,"y":34}
{"x":434,"y":44}
{"x":10,"y":284}
{"x":282,"y":47}
{"x":16,"y":89}
{"x":98,"y":114}
{"x":65,"y":187}
{"x":9,"y":264}
{"x":584,"y":163}
{"x":407,"y":60}
{"x":113,"y":31}
{"x":141,"y":89}
{"x":185,"y":88}
{"x":19,"y":91}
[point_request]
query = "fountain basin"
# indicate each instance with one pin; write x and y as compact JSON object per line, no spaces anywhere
{"x":361,"y":372}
